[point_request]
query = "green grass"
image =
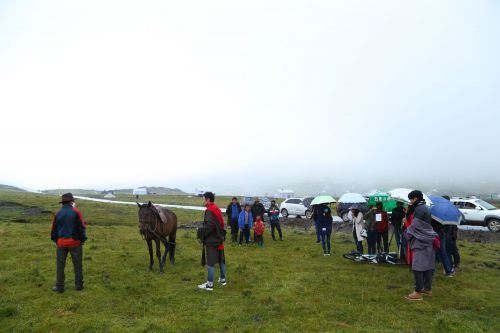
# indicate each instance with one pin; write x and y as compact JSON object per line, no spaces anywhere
{"x":287,"y":286}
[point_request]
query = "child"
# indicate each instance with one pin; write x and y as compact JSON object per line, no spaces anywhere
{"x":259,"y":231}
{"x":245,"y":222}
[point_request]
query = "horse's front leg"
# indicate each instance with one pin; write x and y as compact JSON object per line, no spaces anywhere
{"x":150,"y":248}
{"x":158,"y":254}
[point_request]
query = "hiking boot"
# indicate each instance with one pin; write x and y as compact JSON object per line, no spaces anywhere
{"x":415,"y":296}
{"x":58,"y":290}
{"x":426,"y":292}
{"x":222,"y":281}
{"x":206,"y":286}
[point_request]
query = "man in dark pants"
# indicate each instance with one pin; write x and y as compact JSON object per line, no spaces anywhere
{"x":213,"y":241}
{"x":232,"y":212}
{"x":258,"y":209}
{"x":274,"y":217}
{"x":68,"y":232}
{"x":382,"y":226}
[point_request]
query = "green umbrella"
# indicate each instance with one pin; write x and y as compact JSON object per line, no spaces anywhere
{"x":323,"y":199}
{"x":387,"y":201}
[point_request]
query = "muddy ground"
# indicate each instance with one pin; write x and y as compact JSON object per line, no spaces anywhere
{"x":306,"y":225}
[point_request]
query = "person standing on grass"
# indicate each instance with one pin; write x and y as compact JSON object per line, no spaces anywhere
{"x":382,"y":226}
{"x":245,"y":223}
{"x":258,"y":209}
{"x":325,"y":225}
{"x":274,"y":218}
{"x":451,"y":232}
{"x":420,"y":236}
{"x":441,"y":254}
{"x":233,"y":211}
{"x":259,"y":231}
{"x":358,"y":228}
{"x":213,"y":240}
{"x":397,"y":216}
{"x":317,"y":212}
{"x":68,"y":232}
{"x":371,"y":230}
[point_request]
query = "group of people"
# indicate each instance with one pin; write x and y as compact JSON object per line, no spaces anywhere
{"x":242,"y":220}
{"x":421,"y":240}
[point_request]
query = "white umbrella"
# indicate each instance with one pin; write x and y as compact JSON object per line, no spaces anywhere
{"x":352,"y":198}
{"x":401,"y":194}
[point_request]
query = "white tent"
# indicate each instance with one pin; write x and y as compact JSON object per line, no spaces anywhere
{"x":284,"y":194}
{"x":110,"y":196}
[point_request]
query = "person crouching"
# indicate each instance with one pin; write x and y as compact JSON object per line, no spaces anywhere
{"x":258,"y":229}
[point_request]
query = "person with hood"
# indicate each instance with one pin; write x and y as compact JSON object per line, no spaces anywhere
{"x":213,"y":240}
{"x":371,"y":230}
{"x":358,"y":228}
{"x":245,"y":223}
{"x":274,"y":217}
{"x":233,"y":212}
{"x":397,"y":216}
{"x":420,"y":237}
{"x":325,"y":225}
{"x":69,"y":234}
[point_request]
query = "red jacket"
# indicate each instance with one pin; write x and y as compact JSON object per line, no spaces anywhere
{"x":218,"y":214}
{"x":383,"y":225}
{"x":259,"y":228}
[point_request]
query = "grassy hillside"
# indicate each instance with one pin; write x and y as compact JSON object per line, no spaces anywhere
{"x":9,"y":188}
{"x":287,"y":286}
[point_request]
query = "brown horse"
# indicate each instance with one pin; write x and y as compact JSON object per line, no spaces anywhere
{"x":153,"y":228}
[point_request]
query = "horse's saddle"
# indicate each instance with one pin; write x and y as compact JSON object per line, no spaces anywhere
{"x":163,"y":217}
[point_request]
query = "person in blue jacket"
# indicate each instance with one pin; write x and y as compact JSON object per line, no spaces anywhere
{"x":325,"y":226}
{"x":245,"y":223}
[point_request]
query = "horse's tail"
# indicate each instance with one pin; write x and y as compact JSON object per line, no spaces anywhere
{"x":171,"y":243}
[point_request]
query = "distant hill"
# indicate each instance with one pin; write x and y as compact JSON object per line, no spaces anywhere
{"x":153,"y":190}
{"x":72,"y":190}
{"x":10,"y":188}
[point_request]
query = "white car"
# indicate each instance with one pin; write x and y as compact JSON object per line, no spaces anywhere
{"x":296,"y":207}
{"x":478,"y":212}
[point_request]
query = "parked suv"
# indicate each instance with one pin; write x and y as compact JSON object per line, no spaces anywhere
{"x":296,"y":206}
{"x":478,"y":212}
{"x":250,"y":201}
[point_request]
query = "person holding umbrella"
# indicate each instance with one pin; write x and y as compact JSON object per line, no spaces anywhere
{"x":325,"y":224}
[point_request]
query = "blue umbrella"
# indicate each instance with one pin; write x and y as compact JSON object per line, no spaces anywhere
{"x":444,"y":211}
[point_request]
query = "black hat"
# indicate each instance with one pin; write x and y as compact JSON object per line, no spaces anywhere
{"x":67,"y":197}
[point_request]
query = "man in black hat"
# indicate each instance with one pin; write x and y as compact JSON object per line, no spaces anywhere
{"x":68,"y":232}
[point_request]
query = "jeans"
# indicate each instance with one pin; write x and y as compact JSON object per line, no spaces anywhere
{"x":443,"y":256}
{"x":316,"y":226}
{"x":278,"y":227}
{"x":398,"y":236}
{"x":423,"y":280}
{"x":245,"y":232}
{"x":325,"y":240}
{"x":452,"y":252}
{"x":385,"y":237}
{"x":372,"y":241}
{"x":359,"y":244}
{"x":260,"y":240}
{"x":211,"y":271}
{"x":76,"y":257}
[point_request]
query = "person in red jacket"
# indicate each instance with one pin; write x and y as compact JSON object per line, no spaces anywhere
{"x":382,"y":227}
{"x":68,"y":232}
{"x":258,"y":229}
{"x":213,"y":241}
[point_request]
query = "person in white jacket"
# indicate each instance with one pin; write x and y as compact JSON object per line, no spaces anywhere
{"x":358,"y":228}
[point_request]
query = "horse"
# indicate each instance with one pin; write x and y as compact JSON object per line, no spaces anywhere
{"x":151,"y":227}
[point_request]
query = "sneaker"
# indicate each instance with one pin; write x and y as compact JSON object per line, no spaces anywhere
{"x":415,"y":296}
{"x":325,"y":254}
{"x":449,"y":275}
{"x":426,"y":292}
{"x":222,"y":282}
{"x":328,"y":254}
{"x":57,"y":290}
{"x":206,"y":286}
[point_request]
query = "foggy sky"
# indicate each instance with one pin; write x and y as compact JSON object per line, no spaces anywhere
{"x":249,"y":97}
